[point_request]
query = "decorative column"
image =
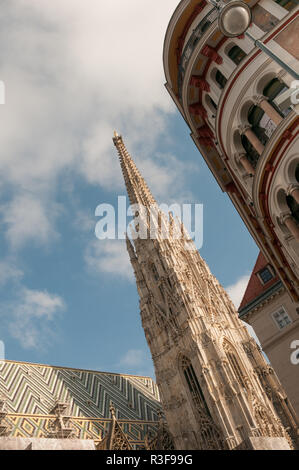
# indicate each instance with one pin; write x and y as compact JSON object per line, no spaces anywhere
{"x":289,"y":221}
{"x":243,"y":160}
{"x":293,"y":190}
{"x":253,"y":139}
{"x":269,"y":110}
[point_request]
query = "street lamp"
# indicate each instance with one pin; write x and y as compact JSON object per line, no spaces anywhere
{"x":234,"y":19}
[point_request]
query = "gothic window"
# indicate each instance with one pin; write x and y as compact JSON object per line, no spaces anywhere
{"x":193,"y":385}
{"x":236,"y":54}
{"x":220,"y":79}
{"x":210,"y":436}
{"x":161,"y":292}
{"x":234,"y":363}
{"x":155,"y":272}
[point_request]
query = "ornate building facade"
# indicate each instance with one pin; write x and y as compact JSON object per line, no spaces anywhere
{"x":238,"y":102}
{"x":267,"y":307}
{"x":215,"y":385}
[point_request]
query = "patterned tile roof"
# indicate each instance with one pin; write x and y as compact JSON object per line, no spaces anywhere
{"x":34,"y":389}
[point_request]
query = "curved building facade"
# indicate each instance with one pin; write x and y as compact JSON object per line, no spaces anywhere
{"x":240,"y":105}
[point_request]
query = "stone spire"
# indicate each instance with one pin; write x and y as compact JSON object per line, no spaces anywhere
{"x":211,"y":394}
{"x":137,"y":188}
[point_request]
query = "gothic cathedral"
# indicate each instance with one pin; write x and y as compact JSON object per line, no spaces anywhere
{"x":217,"y":390}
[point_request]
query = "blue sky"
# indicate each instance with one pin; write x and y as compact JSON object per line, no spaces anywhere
{"x":73,"y":72}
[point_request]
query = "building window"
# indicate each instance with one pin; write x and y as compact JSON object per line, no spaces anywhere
{"x":220,"y":79}
{"x":210,"y":436}
{"x":274,"y":88}
{"x":193,"y":385}
{"x":205,"y":26}
{"x":260,"y":126}
{"x":252,"y":155}
{"x":287,"y":4}
{"x":297,"y":173}
{"x":263,"y":18}
{"x":155,"y":272}
{"x":236,"y":54}
{"x":294,"y":207}
{"x":211,"y":104}
{"x":265,"y":275}
{"x":281,"y":318}
{"x":234,"y":363}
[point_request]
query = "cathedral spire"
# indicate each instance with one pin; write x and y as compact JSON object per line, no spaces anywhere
{"x":137,"y":188}
{"x":211,"y":394}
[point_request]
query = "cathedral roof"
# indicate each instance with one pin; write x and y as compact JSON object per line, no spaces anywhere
{"x":32,"y":396}
{"x":33,"y":388}
{"x":256,"y":288}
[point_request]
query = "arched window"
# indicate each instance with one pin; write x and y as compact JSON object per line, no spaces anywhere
{"x":210,"y":436}
{"x":287,"y":4}
{"x":234,"y":363}
{"x":220,"y":79}
{"x":294,"y":207}
{"x":273,"y":89}
{"x":261,"y":129}
{"x":236,"y":54}
{"x":252,"y":155}
{"x":193,"y":385}
{"x":278,"y":95}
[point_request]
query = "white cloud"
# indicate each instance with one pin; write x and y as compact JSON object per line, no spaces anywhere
{"x":31,"y":317}
{"x":73,"y":72}
{"x":27,"y":218}
{"x":137,"y":362}
{"x":84,"y":221}
{"x":236,"y":291}
{"x":2,"y":352}
{"x":133,"y":358}
{"x":109,"y":257}
{"x":9,"y":272}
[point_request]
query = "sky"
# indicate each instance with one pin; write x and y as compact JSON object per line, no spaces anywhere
{"x":74,"y":71}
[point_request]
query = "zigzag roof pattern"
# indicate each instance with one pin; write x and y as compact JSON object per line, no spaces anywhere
{"x":34,"y":389}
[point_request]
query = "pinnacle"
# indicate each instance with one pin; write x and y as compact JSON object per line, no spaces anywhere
{"x":137,"y":188}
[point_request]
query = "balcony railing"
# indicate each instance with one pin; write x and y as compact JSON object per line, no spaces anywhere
{"x":43,"y":426}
